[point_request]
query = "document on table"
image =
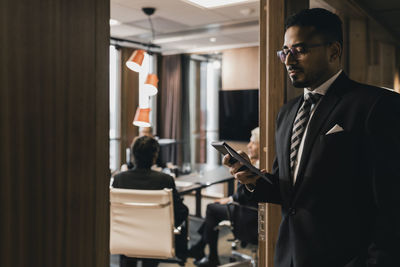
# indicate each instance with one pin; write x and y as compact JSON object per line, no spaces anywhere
{"x":182,"y":183}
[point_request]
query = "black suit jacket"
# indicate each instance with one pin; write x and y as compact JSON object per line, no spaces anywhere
{"x":344,"y":207}
{"x":146,"y":179}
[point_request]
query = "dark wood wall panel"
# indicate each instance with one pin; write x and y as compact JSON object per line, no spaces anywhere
{"x":54,"y":133}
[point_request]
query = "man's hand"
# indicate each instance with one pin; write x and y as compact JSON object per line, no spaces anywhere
{"x":245,"y":176}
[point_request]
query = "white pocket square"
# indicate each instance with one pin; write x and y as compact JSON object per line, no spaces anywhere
{"x":335,"y":129}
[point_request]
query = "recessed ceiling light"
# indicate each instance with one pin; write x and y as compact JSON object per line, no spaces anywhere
{"x":217,"y":3}
{"x":246,"y":11}
{"x":114,"y":22}
{"x":213,"y":39}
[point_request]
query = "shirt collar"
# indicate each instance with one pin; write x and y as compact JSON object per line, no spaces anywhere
{"x":323,"y":88}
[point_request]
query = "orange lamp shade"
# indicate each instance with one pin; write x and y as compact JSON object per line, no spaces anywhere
{"x":142,"y":117}
{"x":151,"y":84}
{"x":136,"y":59}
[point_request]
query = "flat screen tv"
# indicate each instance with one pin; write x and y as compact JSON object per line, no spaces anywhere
{"x":238,"y":114}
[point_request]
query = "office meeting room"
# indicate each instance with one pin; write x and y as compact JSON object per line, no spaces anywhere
{"x":200,"y":133}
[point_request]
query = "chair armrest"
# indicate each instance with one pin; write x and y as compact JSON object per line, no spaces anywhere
{"x":141,"y":204}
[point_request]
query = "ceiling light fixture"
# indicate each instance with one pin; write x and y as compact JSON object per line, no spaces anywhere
{"x":142,"y":117}
{"x":139,"y":61}
{"x":217,"y":3}
{"x":135,"y":61}
{"x":151,"y":84}
{"x":246,"y":11}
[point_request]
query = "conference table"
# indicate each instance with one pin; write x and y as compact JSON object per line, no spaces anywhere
{"x":203,"y":177}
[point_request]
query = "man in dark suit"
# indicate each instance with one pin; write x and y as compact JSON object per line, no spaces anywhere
{"x":145,"y":151}
{"x":216,"y":212}
{"x":337,"y":167}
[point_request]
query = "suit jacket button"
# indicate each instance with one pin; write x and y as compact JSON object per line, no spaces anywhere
{"x":292,"y":211}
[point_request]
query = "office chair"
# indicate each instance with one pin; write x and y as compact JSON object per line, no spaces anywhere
{"x":242,"y":235}
{"x":142,"y":224}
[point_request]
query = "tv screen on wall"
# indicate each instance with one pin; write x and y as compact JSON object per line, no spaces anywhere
{"x":238,"y":114}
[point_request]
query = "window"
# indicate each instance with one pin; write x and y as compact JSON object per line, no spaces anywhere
{"x":115,"y":110}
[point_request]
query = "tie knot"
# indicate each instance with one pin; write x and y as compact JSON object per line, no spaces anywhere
{"x":312,"y":98}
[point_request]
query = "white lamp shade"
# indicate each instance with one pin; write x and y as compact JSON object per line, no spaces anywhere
{"x":135,"y":61}
{"x":151,"y":84}
{"x":142,"y":117}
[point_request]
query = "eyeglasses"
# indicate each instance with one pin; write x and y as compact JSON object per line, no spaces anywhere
{"x":296,"y":50}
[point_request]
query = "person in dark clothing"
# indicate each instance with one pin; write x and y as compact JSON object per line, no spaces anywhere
{"x":216,"y":212}
{"x":145,"y":151}
{"x":336,"y":173}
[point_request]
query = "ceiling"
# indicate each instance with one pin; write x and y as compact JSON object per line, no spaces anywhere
{"x":182,"y":27}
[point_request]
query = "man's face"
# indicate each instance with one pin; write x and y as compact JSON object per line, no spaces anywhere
{"x":309,"y":68}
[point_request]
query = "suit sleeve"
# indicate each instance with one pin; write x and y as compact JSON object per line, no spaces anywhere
{"x":241,"y":197}
{"x":383,"y":128}
{"x":266,"y":192}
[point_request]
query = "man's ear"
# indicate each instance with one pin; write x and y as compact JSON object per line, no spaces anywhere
{"x":335,"y":51}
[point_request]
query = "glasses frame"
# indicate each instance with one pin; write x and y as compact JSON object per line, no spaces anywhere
{"x":282,"y":55}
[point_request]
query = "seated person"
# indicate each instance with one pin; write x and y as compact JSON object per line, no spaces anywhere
{"x":218,"y":212}
{"x":145,"y":151}
{"x":143,"y":131}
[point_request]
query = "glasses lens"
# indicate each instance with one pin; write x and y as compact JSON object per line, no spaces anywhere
{"x":282,"y":56}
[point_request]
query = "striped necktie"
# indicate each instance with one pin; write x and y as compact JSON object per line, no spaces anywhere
{"x":299,"y":126}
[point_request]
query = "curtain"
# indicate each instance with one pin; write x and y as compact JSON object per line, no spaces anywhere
{"x":170,"y":106}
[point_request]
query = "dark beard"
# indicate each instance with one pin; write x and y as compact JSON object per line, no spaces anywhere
{"x":299,"y":84}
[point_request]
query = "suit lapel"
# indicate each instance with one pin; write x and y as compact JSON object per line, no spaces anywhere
{"x":287,"y":134}
{"x":328,"y":102}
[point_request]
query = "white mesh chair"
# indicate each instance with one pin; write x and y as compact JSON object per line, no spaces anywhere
{"x":142,"y":224}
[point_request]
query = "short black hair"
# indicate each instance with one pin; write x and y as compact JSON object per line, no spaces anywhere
{"x":326,"y":24}
{"x":144,"y":150}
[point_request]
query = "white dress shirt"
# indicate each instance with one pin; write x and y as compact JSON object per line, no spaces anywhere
{"x":322,"y":89}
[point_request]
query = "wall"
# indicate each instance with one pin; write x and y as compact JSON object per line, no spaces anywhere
{"x":240,"y":69}
{"x":54,"y":133}
{"x":370,"y":52}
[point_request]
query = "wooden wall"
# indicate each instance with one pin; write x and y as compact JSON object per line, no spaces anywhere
{"x":370,"y":51}
{"x":240,"y":69}
{"x":274,"y":92}
{"x":54,"y":133}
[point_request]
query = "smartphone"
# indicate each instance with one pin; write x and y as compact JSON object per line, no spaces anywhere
{"x":224,"y":148}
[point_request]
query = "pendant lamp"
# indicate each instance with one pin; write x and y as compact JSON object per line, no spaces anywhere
{"x":142,"y":117}
{"x":151,"y":84}
{"x":135,"y":61}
